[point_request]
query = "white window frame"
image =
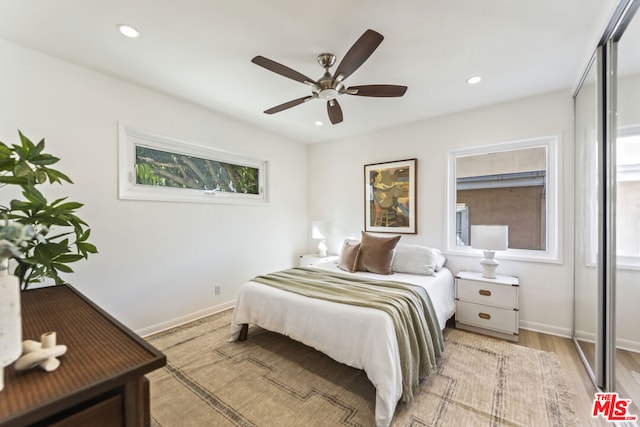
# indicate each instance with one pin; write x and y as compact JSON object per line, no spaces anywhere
{"x":129,"y":137}
{"x":552,"y":252}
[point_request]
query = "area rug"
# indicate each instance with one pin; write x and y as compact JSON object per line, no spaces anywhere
{"x":271,"y":380}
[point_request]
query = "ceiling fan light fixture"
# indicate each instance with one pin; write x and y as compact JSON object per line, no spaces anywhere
{"x":128,"y":31}
{"x":328,"y":94}
{"x":318,"y":123}
{"x":473,"y":80}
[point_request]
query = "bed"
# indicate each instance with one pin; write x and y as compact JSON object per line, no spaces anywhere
{"x":358,"y":336}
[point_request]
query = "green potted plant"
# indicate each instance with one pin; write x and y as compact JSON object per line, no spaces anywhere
{"x":63,"y":235}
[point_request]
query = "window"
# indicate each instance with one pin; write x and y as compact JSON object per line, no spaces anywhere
{"x":154,"y":167}
{"x":510,"y":184}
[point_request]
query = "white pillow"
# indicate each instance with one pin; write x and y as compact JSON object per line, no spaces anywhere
{"x":440,"y":259}
{"x":414,"y":259}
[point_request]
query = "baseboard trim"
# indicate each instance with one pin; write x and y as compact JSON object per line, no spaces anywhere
{"x":545,"y":329}
{"x":628,"y":345}
{"x":622,"y":344}
{"x":172,"y":323}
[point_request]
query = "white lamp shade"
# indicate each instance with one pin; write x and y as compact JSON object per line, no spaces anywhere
{"x":320,"y":229}
{"x":490,"y":237}
{"x":316,"y":233}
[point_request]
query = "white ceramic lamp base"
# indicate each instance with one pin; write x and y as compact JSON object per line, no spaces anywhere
{"x":489,"y":265}
{"x":322,"y":249}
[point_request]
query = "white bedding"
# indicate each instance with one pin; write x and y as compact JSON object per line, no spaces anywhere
{"x":360,"y":337}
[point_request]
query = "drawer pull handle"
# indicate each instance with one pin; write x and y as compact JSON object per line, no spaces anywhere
{"x":484,"y":292}
{"x":485,"y":316}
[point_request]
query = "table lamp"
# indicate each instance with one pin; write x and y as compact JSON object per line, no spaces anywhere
{"x":490,"y":238}
{"x":318,"y":233}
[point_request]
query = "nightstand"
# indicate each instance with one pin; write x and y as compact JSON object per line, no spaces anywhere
{"x":487,"y":306}
{"x":310,"y":260}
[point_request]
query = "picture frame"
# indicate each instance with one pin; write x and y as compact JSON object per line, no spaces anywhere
{"x":390,"y":197}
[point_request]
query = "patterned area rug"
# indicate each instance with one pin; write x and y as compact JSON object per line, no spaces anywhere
{"x":270,"y":380}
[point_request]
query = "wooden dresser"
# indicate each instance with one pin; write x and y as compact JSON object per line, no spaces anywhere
{"x":100,"y":381}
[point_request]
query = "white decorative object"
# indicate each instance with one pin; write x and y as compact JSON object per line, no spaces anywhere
{"x":10,"y":320}
{"x":318,"y":233}
{"x":490,"y":238}
{"x":43,"y":353}
{"x":13,"y":235}
{"x":322,"y":249}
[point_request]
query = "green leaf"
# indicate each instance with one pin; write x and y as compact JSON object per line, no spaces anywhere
{"x":70,"y":206}
{"x":22,"y":169}
{"x":41,"y":176}
{"x":6,"y":179}
{"x":38,"y":149}
{"x":84,"y":235}
{"x":6,"y":161}
{"x":62,"y":267}
{"x":69,"y":258}
{"x":44,"y":160}
{"x":34,"y":195}
{"x":26,"y":143}
{"x":86,"y":248}
{"x":57,"y":176}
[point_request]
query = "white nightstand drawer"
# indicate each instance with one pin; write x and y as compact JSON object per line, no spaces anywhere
{"x":488,"y":293}
{"x":484,"y":316}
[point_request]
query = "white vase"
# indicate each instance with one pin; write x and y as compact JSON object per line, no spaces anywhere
{"x":10,"y":320}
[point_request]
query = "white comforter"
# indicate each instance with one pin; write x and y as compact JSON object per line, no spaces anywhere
{"x":360,"y":337}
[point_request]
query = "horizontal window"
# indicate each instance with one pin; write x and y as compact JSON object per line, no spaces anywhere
{"x":154,"y":167}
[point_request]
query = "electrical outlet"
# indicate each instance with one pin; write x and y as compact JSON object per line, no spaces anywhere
{"x":216,"y":289}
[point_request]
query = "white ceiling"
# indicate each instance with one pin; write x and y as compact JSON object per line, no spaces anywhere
{"x":200,"y":50}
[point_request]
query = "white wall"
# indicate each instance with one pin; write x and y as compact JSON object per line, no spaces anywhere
{"x":158,"y":262}
{"x":336,"y":183}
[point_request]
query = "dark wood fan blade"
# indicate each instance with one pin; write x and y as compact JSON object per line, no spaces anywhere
{"x":334,"y":110}
{"x":288,"y":105}
{"x":283,"y":70}
{"x":359,"y":52}
{"x":382,"y":91}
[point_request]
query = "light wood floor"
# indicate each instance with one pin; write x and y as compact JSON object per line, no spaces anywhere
{"x":627,"y":367}
{"x":577,"y":376}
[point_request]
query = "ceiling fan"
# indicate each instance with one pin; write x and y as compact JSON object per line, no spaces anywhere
{"x":329,"y":87}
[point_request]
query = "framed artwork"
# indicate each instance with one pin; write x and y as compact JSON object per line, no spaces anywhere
{"x":390,"y":197}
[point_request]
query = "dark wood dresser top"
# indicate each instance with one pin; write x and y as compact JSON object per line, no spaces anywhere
{"x":102,"y":354}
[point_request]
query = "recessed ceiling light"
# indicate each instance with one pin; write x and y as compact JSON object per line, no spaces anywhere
{"x":474,"y":80}
{"x":128,"y":31}
{"x":318,"y":123}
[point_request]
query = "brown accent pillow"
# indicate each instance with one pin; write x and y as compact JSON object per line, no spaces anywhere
{"x":376,"y":253}
{"x":349,"y":255}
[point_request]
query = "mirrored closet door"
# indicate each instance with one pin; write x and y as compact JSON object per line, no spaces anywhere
{"x":586,"y":214}
{"x":607,"y":209}
{"x":627,"y":221}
